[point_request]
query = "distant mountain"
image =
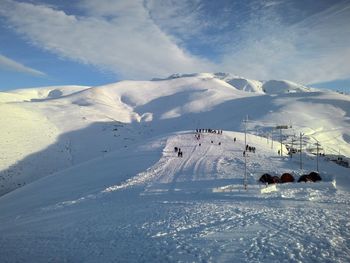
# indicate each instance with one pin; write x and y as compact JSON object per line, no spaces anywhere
{"x":249,"y":85}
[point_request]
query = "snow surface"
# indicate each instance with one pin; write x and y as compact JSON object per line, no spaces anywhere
{"x":283,"y":86}
{"x":97,"y":178}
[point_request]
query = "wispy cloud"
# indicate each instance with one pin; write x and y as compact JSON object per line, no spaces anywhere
{"x":9,"y":64}
{"x":115,"y":35}
{"x":265,"y":39}
{"x":181,"y":18}
{"x":274,"y":39}
{"x":314,"y":49}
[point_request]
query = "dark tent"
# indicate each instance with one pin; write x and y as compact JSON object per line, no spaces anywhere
{"x":287,"y":178}
{"x":311,"y":177}
{"x":268,"y":179}
{"x":314,"y":176}
{"x":304,"y":178}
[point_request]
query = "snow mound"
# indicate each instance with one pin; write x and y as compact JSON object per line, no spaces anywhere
{"x":283,"y":86}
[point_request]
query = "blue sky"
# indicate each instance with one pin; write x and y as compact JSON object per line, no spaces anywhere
{"x":88,"y":42}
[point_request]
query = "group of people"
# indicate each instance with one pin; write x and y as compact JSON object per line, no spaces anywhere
{"x":198,"y":137}
{"x":199,"y":131}
{"x":249,"y":149}
{"x":209,"y":131}
{"x":178,"y":151}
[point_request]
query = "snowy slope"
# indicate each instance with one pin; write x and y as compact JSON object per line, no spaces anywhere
{"x":53,"y":92}
{"x":134,"y":110}
{"x":87,"y":122}
{"x":76,"y":124}
{"x":98,"y":178}
{"x":283,"y":86}
{"x":147,"y":204}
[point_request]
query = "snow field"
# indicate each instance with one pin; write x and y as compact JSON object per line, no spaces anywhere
{"x":167,"y":212}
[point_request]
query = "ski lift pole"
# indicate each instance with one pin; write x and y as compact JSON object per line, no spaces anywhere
{"x":245,"y":154}
{"x":272,"y":139}
{"x":301,"y":147}
{"x":280,"y":127}
{"x":281,"y":142}
{"x":317,"y":152}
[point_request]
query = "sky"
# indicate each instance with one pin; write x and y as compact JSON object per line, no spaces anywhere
{"x":89,"y":42}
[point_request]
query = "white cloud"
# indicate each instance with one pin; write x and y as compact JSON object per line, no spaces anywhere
{"x":272,"y":3}
{"x":116,"y":35}
{"x":181,"y":17}
{"x":12,"y":65}
{"x":149,"y":38}
{"x":313,"y":50}
{"x":257,"y":39}
{"x":196,"y":21}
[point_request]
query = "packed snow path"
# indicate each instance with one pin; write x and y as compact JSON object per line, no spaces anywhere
{"x":168,"y":212}
{"x":207,"y":161}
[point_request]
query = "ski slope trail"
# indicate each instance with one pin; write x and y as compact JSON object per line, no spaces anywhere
{"x":241,"y":226}
{"x":212,"y":159}
{"x":163,"y":208}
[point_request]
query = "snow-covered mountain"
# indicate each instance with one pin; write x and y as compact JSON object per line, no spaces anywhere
{"x":76,"y":153}
{"x":48,"y":119}
{"x":250,"y":85}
